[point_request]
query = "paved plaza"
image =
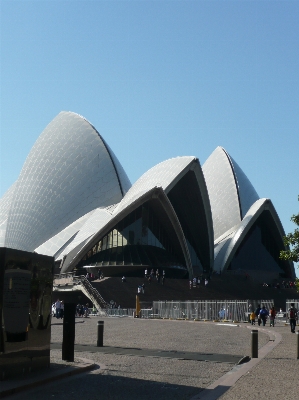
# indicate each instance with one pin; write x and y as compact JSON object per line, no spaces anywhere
{"x":170,"y":359}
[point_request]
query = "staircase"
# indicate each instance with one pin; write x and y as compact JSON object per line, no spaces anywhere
{"x":69,"y":282}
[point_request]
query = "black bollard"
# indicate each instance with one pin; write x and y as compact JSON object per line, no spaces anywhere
{"x":68,"y":336}
{"x":254,"y":343}
{"x":100,"y":334}
{"x":297,"y":333}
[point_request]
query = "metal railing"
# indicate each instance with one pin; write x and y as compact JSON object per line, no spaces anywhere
{"x":290,"y":301}
{"x":288,"y":306}
{"x":84,"y":285}
{"x":90,"y":291}
{"x":120,"y":312}
{"x":231,"y":310}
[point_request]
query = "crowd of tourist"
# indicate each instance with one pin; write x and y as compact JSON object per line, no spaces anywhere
{"x":282,"y":285}
{"x":91,"y":276}
{"x":82,"y":311}
{"x":195,"y":283}
{"x":58,"y":309}
{"x":149,"y":277}
{"x":262,"y":315}
{"x":155,"y":275}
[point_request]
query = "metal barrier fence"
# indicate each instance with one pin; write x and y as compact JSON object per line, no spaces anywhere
{"x":231,"y":310}
{"x":120,"y":312}
{"x":288,"y":306}
{"x":290,"y":301}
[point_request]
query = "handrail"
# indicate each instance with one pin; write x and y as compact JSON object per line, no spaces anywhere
{"x":91,"y":292}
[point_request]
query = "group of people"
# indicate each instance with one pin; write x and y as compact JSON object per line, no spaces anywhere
{"x":262,"y":314}
{"x":58,"y":309}
{"x":288,"y":285}
{"x":196,"y":282}
{"x":91,"y":276}
{"x":282,"y":285}
{"x":154,"y":275}
{"x":113,"y":304}
{"x":82,"y":310}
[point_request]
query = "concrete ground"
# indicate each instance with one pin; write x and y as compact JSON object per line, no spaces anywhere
{"x":167,"y":359}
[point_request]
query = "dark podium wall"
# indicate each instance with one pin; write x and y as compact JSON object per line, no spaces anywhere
{"x":26,"y":281}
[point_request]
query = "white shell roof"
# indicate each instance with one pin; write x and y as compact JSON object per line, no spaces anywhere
{"x":230,"y":192}
{"x":55,"y":245}
{"x":227,"y":246}
{"x":68,"y":173}
{"x":163,"y":175}
{"x":104,"y":223}
{"x":98,"y":219}
{"x":5,"y":203}
{"x":93,"y":227}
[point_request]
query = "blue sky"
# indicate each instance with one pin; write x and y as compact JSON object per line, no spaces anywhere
{"x":159,"y":79}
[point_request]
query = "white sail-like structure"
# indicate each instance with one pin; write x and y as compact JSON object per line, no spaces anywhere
{"x":69,"y":172}
{"x":74,"y":201}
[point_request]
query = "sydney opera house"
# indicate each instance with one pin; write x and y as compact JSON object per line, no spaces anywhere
{"x":74,"y":201}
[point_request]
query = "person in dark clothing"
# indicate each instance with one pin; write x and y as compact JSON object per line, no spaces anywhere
{"x":257,"y":313}
{"x":272,"y":316}
{"x":264,"y":314}
{"x":293,"y":315}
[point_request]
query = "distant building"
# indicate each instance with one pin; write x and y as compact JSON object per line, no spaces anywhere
{"x":74,"y":201}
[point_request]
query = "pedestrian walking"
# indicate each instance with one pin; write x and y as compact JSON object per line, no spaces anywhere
{"x":257,"y":314}
{"x":264,"y":314}
{"x":252,"y":318}
{"x":293,"y":316}
{"x":272,"y":316}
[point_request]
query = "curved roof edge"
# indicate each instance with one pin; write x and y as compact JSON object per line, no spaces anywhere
{"x":231,"y":193}
{"x":55,"y":245}
{"x":247,"y":194}
{"x":156,"y":192}
{"x":222,"y":190}
{"x":166,"y":175}
{"x":99,"y":218}
{"x":195,"y":166}
{"x":163,"y":175}
{"x":123,"y":180}
{"x":235,"y":238}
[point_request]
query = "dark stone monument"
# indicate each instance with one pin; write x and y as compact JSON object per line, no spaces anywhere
{"x":26,"y":281}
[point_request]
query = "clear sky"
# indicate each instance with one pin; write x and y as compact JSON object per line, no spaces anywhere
{"x":159,"y":79}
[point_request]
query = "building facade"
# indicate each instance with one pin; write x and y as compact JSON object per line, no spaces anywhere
{"x":74,"y":201}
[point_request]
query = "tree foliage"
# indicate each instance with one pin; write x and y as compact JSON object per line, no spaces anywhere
{"x":292,"y":241}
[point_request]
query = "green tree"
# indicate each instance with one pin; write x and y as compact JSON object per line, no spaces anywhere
{"x":292,"y":241}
